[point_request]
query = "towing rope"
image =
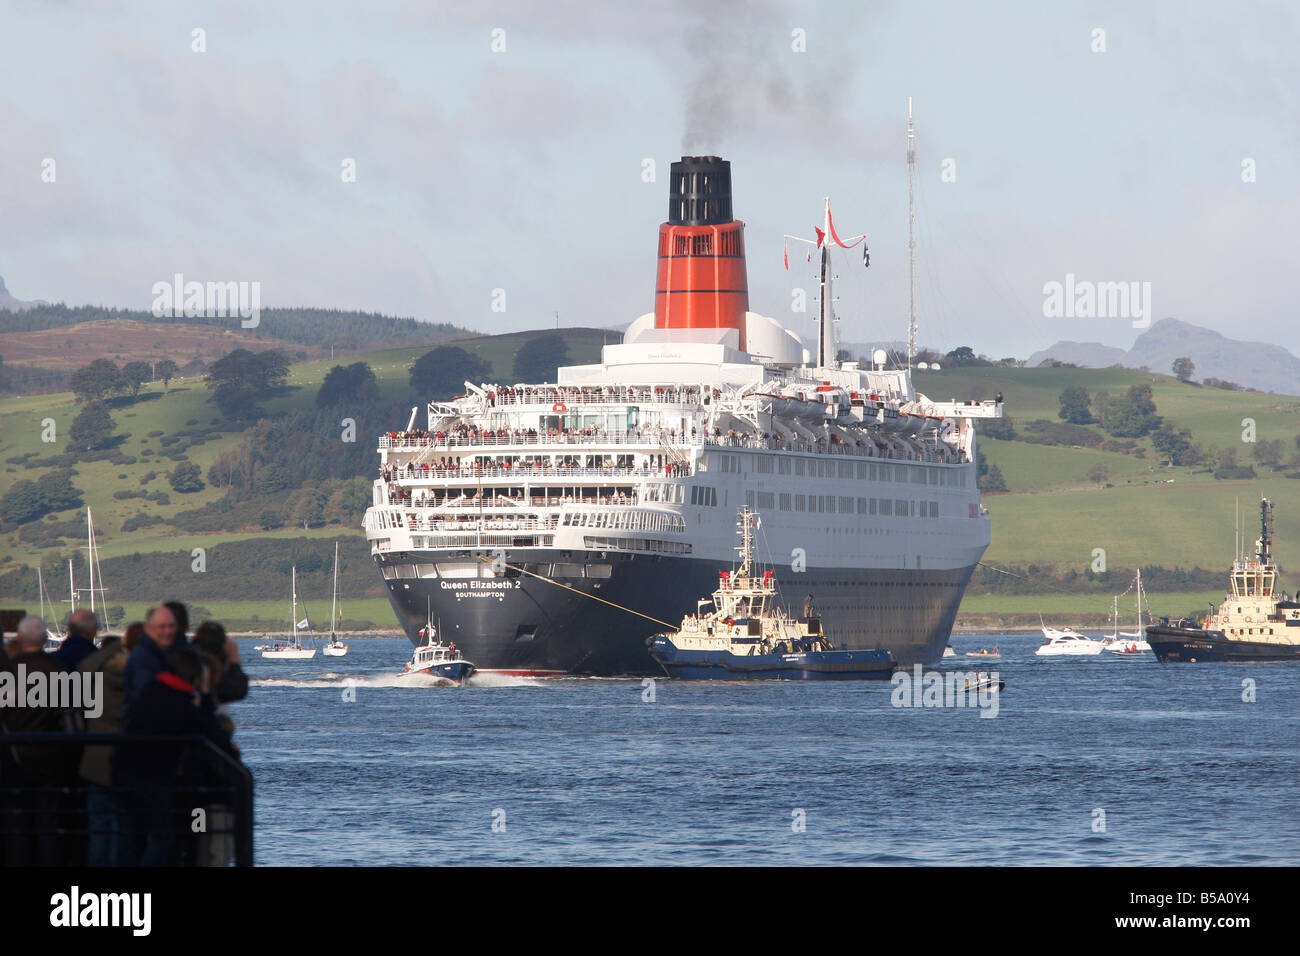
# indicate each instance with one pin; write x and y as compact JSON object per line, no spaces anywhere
{"x":542,"y":577}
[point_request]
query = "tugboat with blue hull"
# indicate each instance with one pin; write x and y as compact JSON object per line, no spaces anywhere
{"x":1254,"y":623}
{"x":743,"y":634}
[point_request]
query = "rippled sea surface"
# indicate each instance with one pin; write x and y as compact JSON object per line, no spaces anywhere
{"x":588,"y":771}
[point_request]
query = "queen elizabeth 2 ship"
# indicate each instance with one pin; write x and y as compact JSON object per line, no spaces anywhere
{"x":531,"y":517}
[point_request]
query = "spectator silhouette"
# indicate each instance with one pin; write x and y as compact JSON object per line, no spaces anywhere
{"x":174,"y":703}
{"x":103,"y":806}
{"x":147,"y":661}
{"x":79,"y":642}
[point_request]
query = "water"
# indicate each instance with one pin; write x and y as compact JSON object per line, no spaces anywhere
{"x":583,"y":771}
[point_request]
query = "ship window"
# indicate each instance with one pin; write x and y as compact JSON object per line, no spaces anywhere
{"x":526,"y":632}
{"x":871,"y":504}
{"x":784,"y":500}
{"x":846,"y":505}
{"x":799,"y":503}
{"x":900,"y":508}
{"x":798,"y":466}
{"x":749,"y":498}
{"x":872,"y":471}
{"x":765,"y":465}
{"x":783,"y":465}
{"x":766,"y":499}
{"x":846,"y":469}
{"x":886,"y":506}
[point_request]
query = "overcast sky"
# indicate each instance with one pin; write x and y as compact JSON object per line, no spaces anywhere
{"x":523,"y":169}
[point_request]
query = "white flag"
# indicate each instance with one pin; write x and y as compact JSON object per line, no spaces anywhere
{"x":304,"y":623}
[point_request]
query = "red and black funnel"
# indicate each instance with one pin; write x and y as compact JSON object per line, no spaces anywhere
{"x":702,"y":283}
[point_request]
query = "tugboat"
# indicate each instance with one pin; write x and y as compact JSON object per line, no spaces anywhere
{"x":747,"y":636}
{"x":1254,"y":623}
{"x":438,"y":659}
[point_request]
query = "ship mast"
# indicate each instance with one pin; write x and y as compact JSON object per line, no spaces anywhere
{"x":826,"y":313}
{"x":911,"y":238}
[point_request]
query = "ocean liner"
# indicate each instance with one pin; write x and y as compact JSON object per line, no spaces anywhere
{"x":1256,"y":621}
{"x":536,"y":518}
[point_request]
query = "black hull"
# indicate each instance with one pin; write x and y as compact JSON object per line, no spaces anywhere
{"x":528,"y":626}
{"x":1191,"y":645}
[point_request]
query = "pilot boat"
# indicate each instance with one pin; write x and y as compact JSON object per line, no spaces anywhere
{"x":744,"y":634}
{"x":438,"y":659}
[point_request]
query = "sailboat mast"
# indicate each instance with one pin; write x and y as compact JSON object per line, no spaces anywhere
{"x":90,"y":556}
{"x":293,"y":603}
{"x":911,"y":238}
{"x":334,"y":601}
{"x":72,"y":589}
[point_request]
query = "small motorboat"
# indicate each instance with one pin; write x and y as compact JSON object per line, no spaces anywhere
{"x":984,"y":681}
{"x":949,"y":652}
{"x":994,"y":654}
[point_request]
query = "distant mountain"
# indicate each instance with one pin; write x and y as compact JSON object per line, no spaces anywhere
{"x":7,"y":301}
{"x":1265,"y":366}
{"x":1083,"y":354}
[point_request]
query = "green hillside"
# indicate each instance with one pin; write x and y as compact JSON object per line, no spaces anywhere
{"x":185,"y":413}
{"x":1051,"y":518}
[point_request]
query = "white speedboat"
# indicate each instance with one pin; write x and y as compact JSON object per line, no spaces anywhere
{"x":949,"y":652}
{"x":293,"y":650}
{"x":335,"y":647}
{"x":1067,"y":642}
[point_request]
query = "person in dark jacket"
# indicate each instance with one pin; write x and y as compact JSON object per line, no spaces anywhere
{"x":79,"y":643}
{"x":103,"y":808}
{"x":29,"y":817}
{"x":147,"y":661}
{"x":174,"y":703}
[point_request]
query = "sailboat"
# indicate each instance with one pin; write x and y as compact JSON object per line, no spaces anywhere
{"x":335,"y":647}
{"x":292,"y":651}
{"x":1129,"y":642}
{"x":53,"y":636}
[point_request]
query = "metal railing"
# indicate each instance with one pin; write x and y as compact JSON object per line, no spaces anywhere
{"x":47,"y":820}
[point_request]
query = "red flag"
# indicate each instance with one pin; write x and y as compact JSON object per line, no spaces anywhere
{"x":785,"y":254}
{"x":821,"y":236}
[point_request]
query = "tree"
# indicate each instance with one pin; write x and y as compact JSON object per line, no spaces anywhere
{"x":961,"y":355}
{"x":1098,"y":473}
{"x":239,"y":379}
{"x":98,"y":380}
{"x":539,"y":358}
{"x":351,"y":383}
{"x":1076,"y":406}
{"x":186,"y":478}
{"x":992,"y":480}
{"x":1176,"y":446}
{"x":27,"y":500}
{"x":1132,"y":416}
{"x":443,"y":372}
{"x":1184,"y":368}
{"x":166,"y":370}
{"x":134,"y":375}
{"x":91,"y":429}
{"x":1270,"y":453}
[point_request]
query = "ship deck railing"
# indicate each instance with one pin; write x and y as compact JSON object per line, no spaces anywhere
{"x":47,"y":823}
{"x":525,"y":471}
{"x":548,"y":398}
{"x":669,"y":440}
{"x":548,"y":501}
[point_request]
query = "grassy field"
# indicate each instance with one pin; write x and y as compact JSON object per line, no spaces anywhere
{"x":23,"y":422}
